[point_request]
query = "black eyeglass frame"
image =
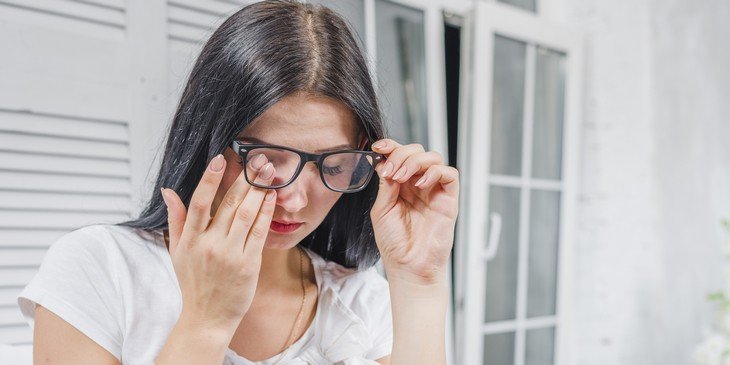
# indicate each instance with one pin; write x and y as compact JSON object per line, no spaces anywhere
{"x":242,"y":150}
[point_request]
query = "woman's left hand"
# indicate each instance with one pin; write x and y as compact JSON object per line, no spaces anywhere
{"x":414,"y":223}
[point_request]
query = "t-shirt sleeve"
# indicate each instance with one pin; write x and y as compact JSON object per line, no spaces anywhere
{"x":381,"y":320}
{"x":76,"y":282}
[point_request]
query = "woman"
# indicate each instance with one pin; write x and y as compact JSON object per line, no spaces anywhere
{"x":249,"y":254}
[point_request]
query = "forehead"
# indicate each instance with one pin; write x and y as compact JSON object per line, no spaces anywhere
{"x":305,"y":121}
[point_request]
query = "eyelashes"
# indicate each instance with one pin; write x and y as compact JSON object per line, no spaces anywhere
{"x":332,"y":170}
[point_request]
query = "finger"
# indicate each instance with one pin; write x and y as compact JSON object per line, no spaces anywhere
{"x":175,"y":216}
{"x":395,"y":159}
{"x":198,"y":215}
{"x":234,"y":196}
{"x":385,"y":145}
{"x":260,"y":230}
{"x":249,"y":208}
{"x":387,"y":197}
{"x":447,"y":176}
{"x":417,"y":164}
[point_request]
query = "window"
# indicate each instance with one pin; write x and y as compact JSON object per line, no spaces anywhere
{"x":520,"y":171}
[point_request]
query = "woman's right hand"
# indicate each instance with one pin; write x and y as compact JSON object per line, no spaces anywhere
{"x":217,"y":260}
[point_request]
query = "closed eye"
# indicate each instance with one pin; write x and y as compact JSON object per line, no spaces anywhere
{"x":332,"y":170}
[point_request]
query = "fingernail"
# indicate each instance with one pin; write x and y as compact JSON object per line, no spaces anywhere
{"x":400,"y":173}
{"x":164,"y":196}
{"x":217,"y":163}
{"x":267,"y":171}
{"x":269,"y":196}
{"x":258,"y":161}
{"x":379,"y":144}
{"x":388,"y":167}
{"x":421,"y":180}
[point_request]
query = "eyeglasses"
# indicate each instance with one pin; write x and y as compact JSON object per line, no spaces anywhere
{"x":345,"y":171}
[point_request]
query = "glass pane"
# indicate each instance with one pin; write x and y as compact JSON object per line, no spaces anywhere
{"x":501,"y":297}
{"x":539,"y":346}
{"x":547,"y":150}
{"x":543,"y":257}
{"x":401,"y":71}
{"x":354,"y":13}
{"x":524,"y":4}
{"x":499,"y":349}
{"x":285,"y":163}
{"x":347,"y":170}
{"x":507,"y":106}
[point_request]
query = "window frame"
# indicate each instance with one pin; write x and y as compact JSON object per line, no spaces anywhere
{"x":484,"y":21}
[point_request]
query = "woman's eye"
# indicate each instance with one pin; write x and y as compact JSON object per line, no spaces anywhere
{"x":332,"y":170}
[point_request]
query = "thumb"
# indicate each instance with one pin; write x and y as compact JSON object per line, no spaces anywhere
{"x":176,"y":214}
{"x":388,"y":191}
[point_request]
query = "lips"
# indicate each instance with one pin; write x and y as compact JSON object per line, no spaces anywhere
{"x":280,"y":227}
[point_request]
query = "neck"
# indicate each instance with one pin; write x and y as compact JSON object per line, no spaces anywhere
{"x":280,"y":270}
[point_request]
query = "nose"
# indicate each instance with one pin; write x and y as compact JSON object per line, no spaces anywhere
{"x":293,"y":197}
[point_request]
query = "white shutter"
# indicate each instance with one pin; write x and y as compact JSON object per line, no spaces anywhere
{"x":64,"y":133}
{"x":189,"y":24}
{"x":87,"y":89}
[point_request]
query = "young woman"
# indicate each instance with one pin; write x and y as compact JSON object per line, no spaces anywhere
{"x":277,"y":194}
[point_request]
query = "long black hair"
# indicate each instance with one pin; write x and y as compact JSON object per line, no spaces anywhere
{"x":260,"y":54}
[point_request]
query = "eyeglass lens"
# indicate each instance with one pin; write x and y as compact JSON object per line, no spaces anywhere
{"x":341,"y":171}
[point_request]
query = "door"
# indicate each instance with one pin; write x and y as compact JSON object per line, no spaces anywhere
{"x":518,"y":140}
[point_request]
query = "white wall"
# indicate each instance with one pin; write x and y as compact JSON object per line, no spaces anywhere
{"x":655,"y":181}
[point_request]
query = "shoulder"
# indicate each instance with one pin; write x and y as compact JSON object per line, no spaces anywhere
{"x":79,"y":281}
{"x":102,"y":245}
{"x":107,"y":238}
{"x":86,"y":240}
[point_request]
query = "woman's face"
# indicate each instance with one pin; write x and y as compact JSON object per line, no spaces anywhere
{"x":309,"y":123}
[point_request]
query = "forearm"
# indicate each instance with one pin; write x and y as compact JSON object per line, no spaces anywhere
{"x":419,"y":321}
{"x":194,"y":343}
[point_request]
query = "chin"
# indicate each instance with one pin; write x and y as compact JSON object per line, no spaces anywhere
{"x":280,"y":243}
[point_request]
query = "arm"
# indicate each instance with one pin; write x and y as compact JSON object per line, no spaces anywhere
{"x":192,"y":342}
{"x":419,"y":321}
{"x":53,"y":335}
{"x":413,"y":223}
{"x":56,"y":341}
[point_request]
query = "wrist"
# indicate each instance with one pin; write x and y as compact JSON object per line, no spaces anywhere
{"x":404,"y":286}
{"x":214,"y":330}
{"x":419,"y":279}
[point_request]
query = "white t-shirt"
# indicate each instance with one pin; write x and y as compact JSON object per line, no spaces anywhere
{"x":117,"y":285}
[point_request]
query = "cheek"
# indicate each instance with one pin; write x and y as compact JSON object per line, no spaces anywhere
{"x":322,"y":202}
{"x":229,"y":178}
{"x":227,"y":182}
{"x":233,"y":170}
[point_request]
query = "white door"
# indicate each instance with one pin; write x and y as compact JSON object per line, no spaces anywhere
{"x":519,"y":143}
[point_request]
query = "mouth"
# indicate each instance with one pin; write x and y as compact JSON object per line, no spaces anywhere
{"x":284,"y":226}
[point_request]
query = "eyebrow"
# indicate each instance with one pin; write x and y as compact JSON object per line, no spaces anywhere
{"x":335,"y":148}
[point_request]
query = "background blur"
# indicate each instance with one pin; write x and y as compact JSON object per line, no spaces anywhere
{"x":592,"y":138}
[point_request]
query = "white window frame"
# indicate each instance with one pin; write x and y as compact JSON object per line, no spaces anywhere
{"x":487,"y":19}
